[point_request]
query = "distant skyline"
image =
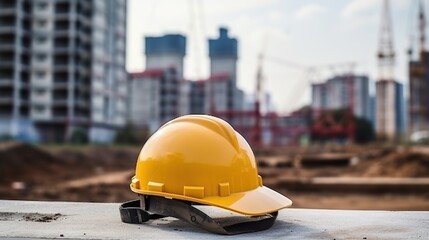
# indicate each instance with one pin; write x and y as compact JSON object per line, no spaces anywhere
{"x":310,"y":33}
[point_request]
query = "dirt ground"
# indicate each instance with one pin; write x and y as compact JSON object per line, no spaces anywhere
{"x":102,"y":174}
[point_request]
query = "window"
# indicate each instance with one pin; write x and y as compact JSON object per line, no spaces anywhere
{"x":41,"y":5}
{"x":39,"y":108}
{"x":106,"y":107}
{"x":41,"y":39}
{"x":40,"y":74}
{"x":40,"y":91}
{"x":41,"y":23}
{"x":40,"y":57}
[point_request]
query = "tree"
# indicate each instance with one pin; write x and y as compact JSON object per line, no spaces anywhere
{"x":364,"y":132}
{"x":130,"y":134}
{"x":79,"y":136}
{"x":335,"y":124}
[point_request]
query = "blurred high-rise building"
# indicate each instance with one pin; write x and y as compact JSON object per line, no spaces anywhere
{"x":63,"y":67}
{"x":222,"y":93}
{"x":223,"y":53}
{"x":419,"y":94}
{"x":389,"y":97}
{"x":390,"y":109}
{"x":197,"y":96}
{"x":343,"y":91}
{"x":159,"y":93}
{"x":153,"y":96}
{"x":418,"y":105}
{"x":165,"y":52}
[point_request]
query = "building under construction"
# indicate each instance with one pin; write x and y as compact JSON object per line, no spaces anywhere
{"x":340,"y":92}
{"x":390,"y":120}
{"x":419,"y":97}
{"x":419,"y":82}
{"x":62,"y":69}
{"x":171,"y":95}
{"x":160,"y":81}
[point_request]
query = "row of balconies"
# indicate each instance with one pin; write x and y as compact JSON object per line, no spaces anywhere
{"x":64,"y":11}
{"x":8,"y":7}
{"x":8,"y":25}
{"x":84,"y":4}
{"x":8,"y":61}
{"x":61,"y":102}
{"x":65,"y":30}
{"x":58,"y":83}
{"x":6,"y":95}
{"x":6,"y":83}
{"x":80,"y":19}
{"x":7,"y":21}
{"x":41,"y":111}
{"x":61,"y":114}
{"x":7,"y":42}
{"x":7,"y":29}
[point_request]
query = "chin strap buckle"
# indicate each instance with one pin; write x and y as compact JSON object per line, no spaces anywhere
{"x":139,"y":211}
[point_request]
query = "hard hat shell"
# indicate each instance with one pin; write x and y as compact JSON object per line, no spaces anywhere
{"x":202,"y":159}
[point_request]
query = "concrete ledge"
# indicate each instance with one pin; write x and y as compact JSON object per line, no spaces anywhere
{"x":357,"y":184}
{"x":28,"y":219}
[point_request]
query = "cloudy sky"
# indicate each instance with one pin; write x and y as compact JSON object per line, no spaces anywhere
{"x":304,"y":33}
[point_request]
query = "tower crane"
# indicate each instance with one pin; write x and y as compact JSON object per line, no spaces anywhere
{"x":418,"y":71}
{"x":385,"y":99}
{"x":343,"y":128}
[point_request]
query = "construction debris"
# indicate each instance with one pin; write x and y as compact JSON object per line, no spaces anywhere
{"x":102,"y":174}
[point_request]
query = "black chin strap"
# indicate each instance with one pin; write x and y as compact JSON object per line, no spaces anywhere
{"x":153,"y":207}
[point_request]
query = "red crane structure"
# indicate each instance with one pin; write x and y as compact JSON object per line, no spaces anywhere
{"x":325,"y":126}
{"x":253,"y":123}
{"x":257,"y":129}
{"x":386,"y":126}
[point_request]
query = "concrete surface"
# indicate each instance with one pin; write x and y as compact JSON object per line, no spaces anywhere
{"x":357,"y":184}
{"x":70,"y":220}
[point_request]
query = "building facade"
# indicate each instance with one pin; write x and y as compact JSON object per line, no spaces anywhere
{"x":390,"y":105}
{"x":166,"y":51}
{"x":223,"y":53}
{"x":62,"y":67}
{"x":276,"y":130}
{"x":418,"y":108}
{"x":159,"y":93}
{"x":341,"y":92}
{"x":197,"y":96}
{"x":153,"y":97}
{"x":219,"y":93}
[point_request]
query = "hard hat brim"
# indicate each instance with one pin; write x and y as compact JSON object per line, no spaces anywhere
{"x":258,"y":201}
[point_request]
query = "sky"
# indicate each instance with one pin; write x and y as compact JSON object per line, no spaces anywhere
{"x":292,"y":35}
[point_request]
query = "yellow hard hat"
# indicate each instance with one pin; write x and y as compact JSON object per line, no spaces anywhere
{"x":202,"y":159}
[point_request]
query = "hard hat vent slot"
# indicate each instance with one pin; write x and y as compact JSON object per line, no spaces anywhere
{"x":156,"y":187}
{"x":192,"y":191}
{"x":260,"y":180}
{"x":224,"y":190}
{"x":135,"y":183}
